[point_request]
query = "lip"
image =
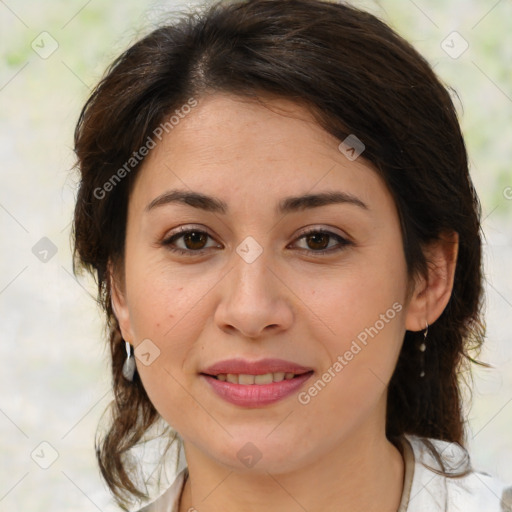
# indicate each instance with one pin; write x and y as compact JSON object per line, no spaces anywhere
{"x":255,"y":395}
{"x":260,"y":367}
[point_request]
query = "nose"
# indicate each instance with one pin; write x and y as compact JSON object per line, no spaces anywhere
{"x":255,"y":301}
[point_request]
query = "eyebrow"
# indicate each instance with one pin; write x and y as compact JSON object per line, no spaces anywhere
{"x":286,"y":205}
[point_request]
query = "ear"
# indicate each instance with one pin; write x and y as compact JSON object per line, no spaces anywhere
{"x":432,"y":293}
{"x":119,"y":305}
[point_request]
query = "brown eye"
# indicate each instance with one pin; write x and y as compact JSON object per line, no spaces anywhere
{"x":188,"y":241}
{"x":319,"y":242}
{"x":195,"y":240}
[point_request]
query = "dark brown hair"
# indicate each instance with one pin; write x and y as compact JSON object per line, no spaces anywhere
{"x":357,"y":76}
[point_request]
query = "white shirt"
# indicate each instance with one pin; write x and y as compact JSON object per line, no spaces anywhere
{"x":424,"y":490}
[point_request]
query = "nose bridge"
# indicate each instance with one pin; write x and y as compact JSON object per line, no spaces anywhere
{"x":253,"y":298}
{"x":251,"y":278}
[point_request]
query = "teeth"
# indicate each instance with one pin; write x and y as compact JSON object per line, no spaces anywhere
{"x":245,"y":379}
{"x":231,"y":377}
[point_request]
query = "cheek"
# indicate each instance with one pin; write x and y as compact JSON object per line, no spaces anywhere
{"x":169,"y":307}
{"x":365,"y":316}
{"x":356,"y":299}
{"x":167,"y":313}
{"x":164,"y":300}
{"x":362,"y":356}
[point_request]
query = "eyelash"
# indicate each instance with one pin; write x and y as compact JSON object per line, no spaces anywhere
{"x":189,"y":252}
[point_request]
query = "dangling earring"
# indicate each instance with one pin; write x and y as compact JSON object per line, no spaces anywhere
{"x":423,"y":347}
{"x":129,"y":364}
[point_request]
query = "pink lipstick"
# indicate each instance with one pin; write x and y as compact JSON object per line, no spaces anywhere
{"x":255,"y":383}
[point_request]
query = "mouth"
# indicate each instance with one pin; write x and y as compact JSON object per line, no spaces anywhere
{"x":249,"y":390}
{"x":254,"y":372}
{"x":260,"y":379}
{"x":260,"y":383}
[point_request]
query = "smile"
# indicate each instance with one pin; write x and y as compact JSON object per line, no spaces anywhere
{"x":244,"y":378}
{"x":247,"y":390}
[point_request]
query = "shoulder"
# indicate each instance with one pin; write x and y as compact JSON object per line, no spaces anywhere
{"x":472,"y":491}
{"x":169,"y":500}
{"x":430,"y":490}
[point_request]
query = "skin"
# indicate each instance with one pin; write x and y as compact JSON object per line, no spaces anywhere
{"x":289,"y":303}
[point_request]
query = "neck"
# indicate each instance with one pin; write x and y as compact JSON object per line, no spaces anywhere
{"x":363,"y":473}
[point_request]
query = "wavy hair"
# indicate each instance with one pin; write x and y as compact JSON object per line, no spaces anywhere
{"x":356,"y":75}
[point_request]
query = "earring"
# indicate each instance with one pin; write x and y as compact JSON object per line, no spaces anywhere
{"x":129,"y":363}
{"x":422,"y":348}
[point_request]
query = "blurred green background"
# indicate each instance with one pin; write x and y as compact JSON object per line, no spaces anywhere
{"x":55,"y":381}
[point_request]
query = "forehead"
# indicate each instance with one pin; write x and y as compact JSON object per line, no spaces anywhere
{"x":228,"y":145}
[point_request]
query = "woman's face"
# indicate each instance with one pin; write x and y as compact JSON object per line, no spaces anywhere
{"x":250,"y":283}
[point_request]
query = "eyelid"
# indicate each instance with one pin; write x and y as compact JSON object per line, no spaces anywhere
{"x":186,"y":228}
{"x":330,"y":230}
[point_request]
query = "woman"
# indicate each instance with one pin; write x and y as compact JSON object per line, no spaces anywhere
{"x":276,"y":202}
